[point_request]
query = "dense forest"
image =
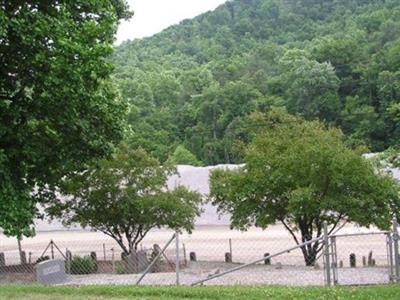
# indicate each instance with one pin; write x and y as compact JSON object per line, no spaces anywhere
{"x":194,"y":85}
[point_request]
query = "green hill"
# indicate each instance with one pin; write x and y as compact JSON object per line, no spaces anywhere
{"x":194,"y":84}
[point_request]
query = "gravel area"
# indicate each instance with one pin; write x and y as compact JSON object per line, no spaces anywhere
{"x":256,"y":275}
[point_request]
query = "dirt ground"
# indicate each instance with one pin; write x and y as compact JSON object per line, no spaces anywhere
{"x":210,"y":243}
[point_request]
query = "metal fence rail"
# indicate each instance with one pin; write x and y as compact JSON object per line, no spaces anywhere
{"x":210,"y":255}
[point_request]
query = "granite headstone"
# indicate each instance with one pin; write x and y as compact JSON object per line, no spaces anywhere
{"x":51,"y":272}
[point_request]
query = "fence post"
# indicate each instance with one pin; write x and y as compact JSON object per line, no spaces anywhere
{"x":389,"y":246}
{"x":177,"y":257}
{"x":230,"y":249}
{"x":52,"y":249}
{"x":326,"y":253}
{"x":396,"y":249}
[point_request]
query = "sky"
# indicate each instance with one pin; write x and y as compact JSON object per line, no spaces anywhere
{"x":152,"y":16}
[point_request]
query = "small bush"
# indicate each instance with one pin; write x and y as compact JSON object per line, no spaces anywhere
{"x":82,"y":265}
{"x":120,"y":268}
{"x":42,"y":258}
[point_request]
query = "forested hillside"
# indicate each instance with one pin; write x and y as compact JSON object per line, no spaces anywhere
{"x":195,"y":84}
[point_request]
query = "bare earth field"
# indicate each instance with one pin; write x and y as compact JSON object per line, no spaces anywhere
{"x":210,"y":243}
{"x":258,"y":275}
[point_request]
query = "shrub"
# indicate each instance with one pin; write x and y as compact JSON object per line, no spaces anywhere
{"x":42,"y":258}
{"x":82,"y":265}
{"x":120,"y":268}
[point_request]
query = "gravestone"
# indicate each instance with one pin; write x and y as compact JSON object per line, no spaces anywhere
{"x":2,"y":262}
{"x":93,"y":255}
{"x":341,"y":264}
{"x":143,"y":262}
{"x":353,"y":261}
{"x":370,"y":259}
{"x":130,"y":262}
{"x":23,"y":257}
{"x":51,"y":272}
{"x":192,"y":256}
{"x":2,"y":259}
{"x":135,"y":262}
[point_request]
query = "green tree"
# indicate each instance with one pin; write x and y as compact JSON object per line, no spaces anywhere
{"x":183,"y":156}
{"x":57,"y":107}
{"x":300,"y":173}
{"x":125,"y":198}
{"x":312,"y":87}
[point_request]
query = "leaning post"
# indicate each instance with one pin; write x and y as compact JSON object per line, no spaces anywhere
{"x":396,"y":250}
{"x":326,"y":253}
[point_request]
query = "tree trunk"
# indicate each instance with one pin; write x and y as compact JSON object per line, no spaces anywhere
{"x":309,"y":254}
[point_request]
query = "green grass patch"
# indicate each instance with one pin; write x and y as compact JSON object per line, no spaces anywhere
{"x":204,"y":293}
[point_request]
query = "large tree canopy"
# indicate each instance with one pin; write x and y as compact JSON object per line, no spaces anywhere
{"x":125,"y":198}
{"x":58,"y":109}
{"x":300,"y":174}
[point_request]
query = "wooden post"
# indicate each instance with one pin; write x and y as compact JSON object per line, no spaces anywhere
{"x":22,"y":255}
{"x":230,"y":249}
{"x":52,"y":249}
{"x":364,"y":261}
{"x":370,"y":259}
{"x":2,"y":260}
{"x":268,"y":260}
{"x":112,"y":260}
{"x":68,"y":256}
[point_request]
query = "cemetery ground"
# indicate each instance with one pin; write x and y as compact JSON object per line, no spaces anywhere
{"x":204,"y":293}
{"x":210,"y":243}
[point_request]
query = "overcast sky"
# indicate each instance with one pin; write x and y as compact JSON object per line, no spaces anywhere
{"x":152,"y":16}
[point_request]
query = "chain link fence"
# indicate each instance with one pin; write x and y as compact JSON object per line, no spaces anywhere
{"x":211,"y":255}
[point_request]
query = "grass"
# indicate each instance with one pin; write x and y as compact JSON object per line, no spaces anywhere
{"x":203,"y":293}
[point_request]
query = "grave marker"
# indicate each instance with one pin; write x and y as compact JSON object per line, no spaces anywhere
{"x":51,"y":272}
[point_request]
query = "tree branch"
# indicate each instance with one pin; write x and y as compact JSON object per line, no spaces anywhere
{"x":290,"y":230}
{"x":116,"y":238}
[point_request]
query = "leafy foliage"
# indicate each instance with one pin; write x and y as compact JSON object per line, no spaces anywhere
{"x":82,"y":265}
{"x":125,"y":197}
{"x":182,"y":156}
{"x":301,"y":174}
{"x":120,"y":268}
{"x":58,"y":108}
{"x":195,"y":83}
